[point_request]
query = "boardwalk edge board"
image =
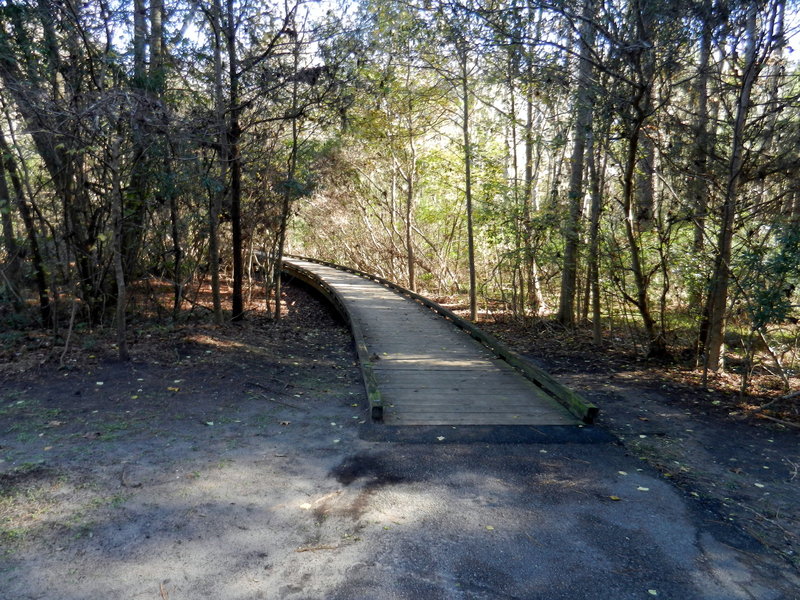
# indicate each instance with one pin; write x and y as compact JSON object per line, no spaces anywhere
{"x":576,"y":404}
{"x":371,"y":386}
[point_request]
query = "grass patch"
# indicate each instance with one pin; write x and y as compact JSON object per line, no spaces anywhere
{"x":24,"y":501}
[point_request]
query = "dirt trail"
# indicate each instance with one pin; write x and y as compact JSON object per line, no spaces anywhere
{"x":233,"y":463}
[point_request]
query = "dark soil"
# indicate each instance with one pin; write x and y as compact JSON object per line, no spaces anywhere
{"x":77,"y":442}
{"x":704,"y":440}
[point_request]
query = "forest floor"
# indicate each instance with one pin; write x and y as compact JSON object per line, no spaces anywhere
{"x":229,"y":462}
{"x":707,"y":440}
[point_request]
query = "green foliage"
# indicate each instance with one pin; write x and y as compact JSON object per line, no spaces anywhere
{"x":771,"y":274}
{"x":374,"y":96}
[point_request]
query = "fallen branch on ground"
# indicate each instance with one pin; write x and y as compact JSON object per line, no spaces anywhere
{"x":781,"y":421}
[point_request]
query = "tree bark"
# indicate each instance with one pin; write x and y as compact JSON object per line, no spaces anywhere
{"x":645,"y":188}
{"x":135,"y":202}
{"x":698,"y":184}
{"x":12,"y":269}
{"x":716,"y":306}
{"x":235,"y":162}
{"x":583,"y":125}
{"x":536,"y":298}
{"x":594,"y":244}
{"x":119,"y":268}
{"x":216,"y":193}
{"x":409,"y":215}
{"x":9,"y":167}
{"x":288,"y":192}
{"x":177,"y":253}
{"x":465,"y":128}
{"x":55,"y":142}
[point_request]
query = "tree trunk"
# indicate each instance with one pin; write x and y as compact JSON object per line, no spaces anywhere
{"x":235,"y":161}
{"x":645,"y":188}
{"x":393,"y":222}
{"x":594,"y":243}
{"x":12,"y":269}
{"x":9,"y":167}
{"x":156,"y":46}
{"x":698,"y":186}
{"x":640,"y":106}
{"x":465,"y":127}
{"x":134,"y":208}
{"x":716,"y":306}
{"x":698,"y":183}
{"x":291,"y":172}
{"x":583,"y":125}
{"x":216,"y":194}
{"x":655,"y":340}
{"x":536,"y":298}
{"x":58,"y":149}
{"x":177,"y":252}
{"x":119,"y":269}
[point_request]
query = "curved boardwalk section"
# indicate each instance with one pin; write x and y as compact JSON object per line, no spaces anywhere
{"x":426,"y":371}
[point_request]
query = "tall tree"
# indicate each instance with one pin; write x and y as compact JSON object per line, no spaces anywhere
{"x":757,"y":50}
{"x":234,"y":133}
{"x":583,"y":125}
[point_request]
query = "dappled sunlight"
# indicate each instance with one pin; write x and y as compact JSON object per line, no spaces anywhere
{"x":266,"y":521}
{"x":215,"y":342}
{"x":203,"y":530}
{"x":202,"y":489}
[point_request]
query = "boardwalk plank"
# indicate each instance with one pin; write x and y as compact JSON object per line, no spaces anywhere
{"x":427,"y":371}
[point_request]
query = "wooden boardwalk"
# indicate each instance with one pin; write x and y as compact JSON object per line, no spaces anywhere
{"x":427,"y":371}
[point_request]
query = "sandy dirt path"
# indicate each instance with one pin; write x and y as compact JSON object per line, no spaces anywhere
{"x":240,"y":468}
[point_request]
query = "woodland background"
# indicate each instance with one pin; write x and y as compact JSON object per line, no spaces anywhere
{"x":626,"y":167}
